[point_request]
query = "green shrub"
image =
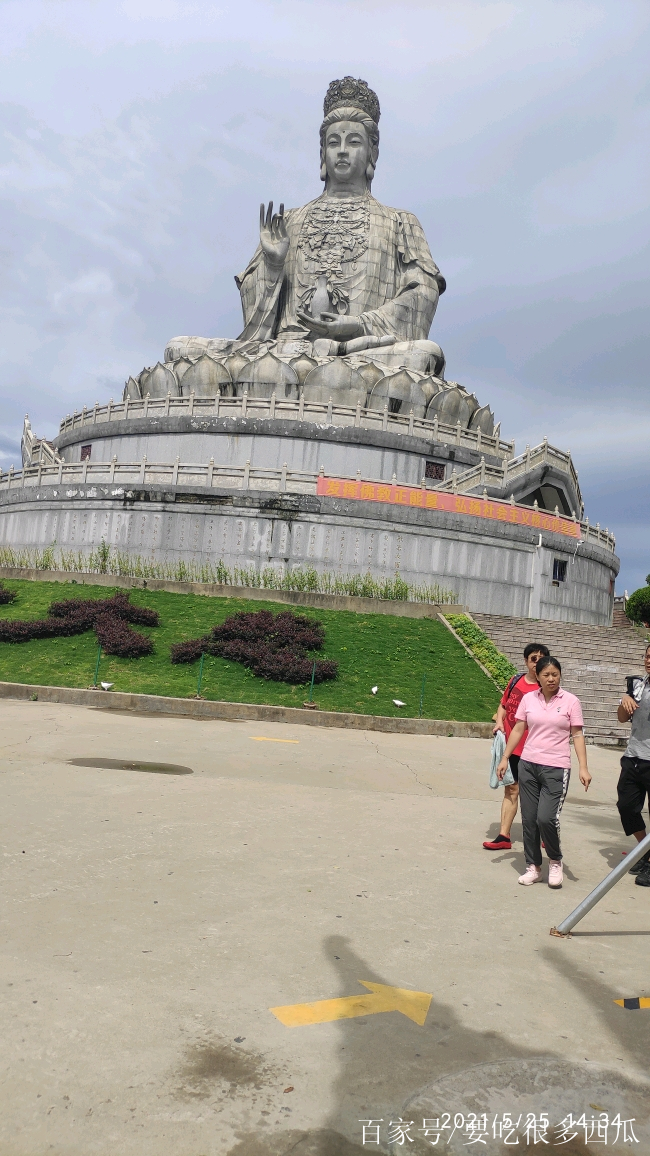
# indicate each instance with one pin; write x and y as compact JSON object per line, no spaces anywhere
{"x":480,"y":645}
{"x":6,"y":596}
{"x":638,"y":605}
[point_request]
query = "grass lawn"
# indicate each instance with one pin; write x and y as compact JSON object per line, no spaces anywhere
{"x":371,"y":649}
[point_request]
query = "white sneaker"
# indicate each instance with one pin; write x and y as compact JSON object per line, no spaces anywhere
{"x":555,"y":876}
{"x":532,"y":874}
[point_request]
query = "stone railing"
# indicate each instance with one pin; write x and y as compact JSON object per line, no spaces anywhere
{"x":37,"y":449}
{"x":118,"y":476}
{"x":488,"y":475}
{"x":290,"y":409}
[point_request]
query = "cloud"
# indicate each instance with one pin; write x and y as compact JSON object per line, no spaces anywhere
{"x":137,"y":140}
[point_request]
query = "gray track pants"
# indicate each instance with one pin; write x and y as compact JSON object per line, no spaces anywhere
{"x":542,"y":791}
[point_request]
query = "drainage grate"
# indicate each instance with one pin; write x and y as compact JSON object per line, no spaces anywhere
{"x":131,"y":765}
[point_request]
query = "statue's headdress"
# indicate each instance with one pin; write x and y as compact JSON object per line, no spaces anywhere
{"x":350,"y":92}
{"x":356,"y":102}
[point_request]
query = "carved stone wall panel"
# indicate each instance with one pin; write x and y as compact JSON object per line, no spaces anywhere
{"x":207,"y":378}
{"x":370,"y":372}
{"x":181,"y":366}
{"x":400,"y":393}
{"x":451,"y":405}
{"x":159,"y":381}
{"x":235,"y":363}
{"x":483,"y":419}
{"x":430,"y":386}
{"x":303,"y":366}
{"x":132,"y":390}
{"x":336,"y":380}
{"x":266,"y":376}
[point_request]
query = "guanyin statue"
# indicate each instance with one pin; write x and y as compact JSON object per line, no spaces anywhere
{"x":344,"y":267}
{"x":339,"y":294}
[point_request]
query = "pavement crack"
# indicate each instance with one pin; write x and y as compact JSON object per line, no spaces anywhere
{"x":399,"y":762}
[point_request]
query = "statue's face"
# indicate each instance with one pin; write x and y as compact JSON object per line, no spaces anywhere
{"x":347,"y":152}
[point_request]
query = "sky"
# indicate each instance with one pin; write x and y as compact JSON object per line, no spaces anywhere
{"x":138,"y":139}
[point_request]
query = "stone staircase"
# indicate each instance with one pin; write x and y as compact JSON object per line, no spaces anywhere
{"x":595,"y":661}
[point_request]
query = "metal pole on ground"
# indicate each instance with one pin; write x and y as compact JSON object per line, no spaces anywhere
{"x":311,"y":688}
{"x":99,"y":655}
{"x":200,"y":680}
{"x":424,"y":679}
{"x":608,"y":882}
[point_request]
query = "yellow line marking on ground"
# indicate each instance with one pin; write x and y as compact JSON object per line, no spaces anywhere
{"x":261,"y":739}
{"x":414,"y":1004}
{"x":634,"y":1004}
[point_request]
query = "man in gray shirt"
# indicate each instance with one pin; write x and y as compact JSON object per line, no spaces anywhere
{"x":634,"y":781}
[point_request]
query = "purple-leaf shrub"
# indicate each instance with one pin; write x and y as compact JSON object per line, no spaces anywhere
{"x":272,"y":647}
{"x":108,"y":617}
{"x":6,"y":596}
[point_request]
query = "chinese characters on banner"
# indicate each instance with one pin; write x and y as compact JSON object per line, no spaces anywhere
{"x":417,"y":498}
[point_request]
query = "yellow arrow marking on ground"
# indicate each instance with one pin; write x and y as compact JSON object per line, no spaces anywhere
{"x":634,"y":1004}
{"x":414,"y":1004}
{"x":261,"y":739}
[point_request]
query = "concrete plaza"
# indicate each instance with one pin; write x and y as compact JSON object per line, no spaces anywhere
{"x":152,"y":920}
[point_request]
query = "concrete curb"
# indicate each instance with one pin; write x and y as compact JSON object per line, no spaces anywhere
{"x":253,"y":593}
{"x":205,"y":709}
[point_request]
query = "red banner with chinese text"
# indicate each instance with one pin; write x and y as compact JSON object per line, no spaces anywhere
{"x":454,"y":503}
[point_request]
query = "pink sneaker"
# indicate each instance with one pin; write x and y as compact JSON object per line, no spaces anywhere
{"x":532,"y":874}
{"x":555,"y":875}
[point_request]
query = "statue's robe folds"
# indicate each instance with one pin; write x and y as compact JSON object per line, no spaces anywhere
{"x":378,"y":266}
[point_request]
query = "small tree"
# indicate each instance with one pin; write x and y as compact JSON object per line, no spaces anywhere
{"x":638,"y":604}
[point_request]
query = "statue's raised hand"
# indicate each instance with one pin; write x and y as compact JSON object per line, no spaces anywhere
{"x":273,"y":235}
{"x":332,"y":325}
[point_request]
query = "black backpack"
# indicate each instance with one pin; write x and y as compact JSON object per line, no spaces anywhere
{"x":630,"y":680}
{"x":513,"y":681}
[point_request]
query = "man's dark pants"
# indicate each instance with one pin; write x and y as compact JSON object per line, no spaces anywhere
{"x":633,"y":786}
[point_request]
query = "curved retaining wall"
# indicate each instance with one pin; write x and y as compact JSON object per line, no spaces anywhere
{"x":496,"y":568}
{"x":268,"y":443}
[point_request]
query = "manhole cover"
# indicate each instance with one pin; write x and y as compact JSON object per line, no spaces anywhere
{"x":132,"y":765}
{"x":523,"y":1091}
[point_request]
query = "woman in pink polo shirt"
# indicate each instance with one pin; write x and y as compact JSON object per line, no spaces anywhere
{"x":552,"y":715}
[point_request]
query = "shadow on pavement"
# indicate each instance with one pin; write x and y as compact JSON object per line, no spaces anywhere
{"x":601,"y":934}
{"x":391,"y":1070}
{"x":631,"y":1029}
